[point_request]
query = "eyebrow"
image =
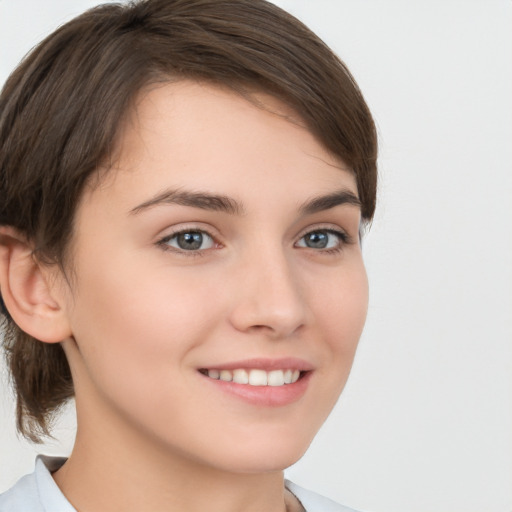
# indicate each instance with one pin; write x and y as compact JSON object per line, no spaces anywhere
{"x":202,"y":200}
{"x":222,"y":203}
{"x":319,"y":204}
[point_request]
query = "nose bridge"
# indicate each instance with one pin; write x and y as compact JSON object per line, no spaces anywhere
{"x":270,"y":296}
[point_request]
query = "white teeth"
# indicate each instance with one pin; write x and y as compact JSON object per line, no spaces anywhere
{"x":226,"y":375}
{"x":256,"y":377}
{"x":275,"y":378}
{"x":240,"y":377}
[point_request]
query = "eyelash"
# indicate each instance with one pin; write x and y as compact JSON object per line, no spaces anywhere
{"x":343,"y":239}
{"x":163,"y":243}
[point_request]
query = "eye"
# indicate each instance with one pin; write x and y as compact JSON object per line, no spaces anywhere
{"x":323,"y":239}
{"x":191,"y":240}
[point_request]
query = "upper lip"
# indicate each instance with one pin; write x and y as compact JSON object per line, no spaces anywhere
{"x":263,"y":363}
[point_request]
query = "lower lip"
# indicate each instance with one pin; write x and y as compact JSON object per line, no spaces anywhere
{"x":265,"y":396}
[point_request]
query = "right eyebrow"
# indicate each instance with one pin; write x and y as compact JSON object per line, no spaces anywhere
{"x":339,"y":197}
{"x":202,"y":200}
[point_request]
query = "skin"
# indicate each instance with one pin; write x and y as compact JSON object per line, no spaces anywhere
{"x":144,"y":319}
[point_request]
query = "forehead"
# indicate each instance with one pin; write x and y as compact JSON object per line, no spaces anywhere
{"x":203,"y":136}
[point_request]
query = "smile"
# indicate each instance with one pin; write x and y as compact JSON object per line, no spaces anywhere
{"x":261,"y":382}
{"x":255,"y":377}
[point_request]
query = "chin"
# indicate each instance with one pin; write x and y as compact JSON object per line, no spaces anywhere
{"x":264,"y":457}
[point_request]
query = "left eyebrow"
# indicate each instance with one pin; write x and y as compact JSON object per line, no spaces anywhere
{"x":319,"y":204}
{"x":202,"y":200}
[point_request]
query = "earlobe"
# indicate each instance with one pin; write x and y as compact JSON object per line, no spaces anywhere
{"x":27,"y":290}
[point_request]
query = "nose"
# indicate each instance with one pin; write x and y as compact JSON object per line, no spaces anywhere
{"x":269,"y":297}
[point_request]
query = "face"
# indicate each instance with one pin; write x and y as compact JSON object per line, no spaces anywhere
{"x":219,"y":289}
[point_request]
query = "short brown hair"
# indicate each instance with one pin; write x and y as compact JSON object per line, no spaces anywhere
{"x":61,"y":108}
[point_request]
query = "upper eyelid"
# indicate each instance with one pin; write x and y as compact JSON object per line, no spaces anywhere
{"x":170,"y":236}
{"x":335,"y":228}
{"x":171,"y":232}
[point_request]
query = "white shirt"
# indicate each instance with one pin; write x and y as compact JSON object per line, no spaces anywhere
{"x":38,"y":492}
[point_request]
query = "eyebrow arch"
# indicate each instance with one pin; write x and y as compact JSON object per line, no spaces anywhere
{"x":319,"y":204}
{"x":202,"y":200}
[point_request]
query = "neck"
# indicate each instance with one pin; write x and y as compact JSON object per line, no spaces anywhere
{"x":114,"y":470}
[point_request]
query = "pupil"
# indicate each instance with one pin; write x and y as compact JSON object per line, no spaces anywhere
{"x":317,"y":240}
{"x":190,"y":241}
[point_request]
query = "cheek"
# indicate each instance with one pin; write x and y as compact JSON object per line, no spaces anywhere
{"x":144,"y":319}
{"x":342,"y":305}
{"x":340,"y":314}
{"x":136,"y":327}
{"x":140,"y":296}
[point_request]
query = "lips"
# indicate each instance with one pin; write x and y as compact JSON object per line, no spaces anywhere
{"x":264,"y":382}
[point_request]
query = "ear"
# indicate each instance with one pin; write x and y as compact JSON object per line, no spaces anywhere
{"x":29,"y":290}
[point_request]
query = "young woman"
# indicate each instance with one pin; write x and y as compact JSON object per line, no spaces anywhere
{"x":183,"y":186}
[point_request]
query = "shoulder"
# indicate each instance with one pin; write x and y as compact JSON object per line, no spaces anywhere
{"x":36,"y":492}
{"x":23,"y":497}
{"x":313,"y":502}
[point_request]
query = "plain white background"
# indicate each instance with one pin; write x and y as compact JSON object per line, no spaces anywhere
{"x":425,"y":423}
